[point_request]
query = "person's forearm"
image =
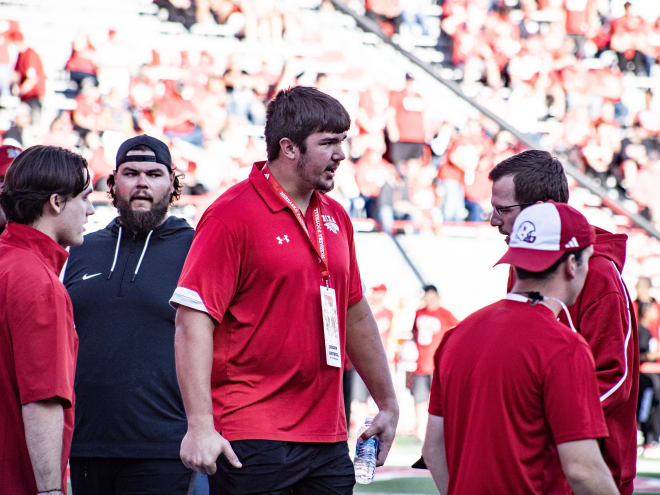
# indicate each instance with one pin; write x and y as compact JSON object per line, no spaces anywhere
{"x":598,"y":482}
{"x":27,"y":85}
{"x":436,"y":462}
{"x":193,"y":350}
{"x":44,"y":426}
{"x":365,"y":349}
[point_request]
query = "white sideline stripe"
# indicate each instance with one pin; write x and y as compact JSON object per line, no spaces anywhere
{"x":625,"y":344}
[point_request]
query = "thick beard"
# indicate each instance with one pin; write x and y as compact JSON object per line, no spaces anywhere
{"x":300,"y":169}
{"x":141,"y":222}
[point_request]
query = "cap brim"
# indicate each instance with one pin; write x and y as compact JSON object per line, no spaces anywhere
{"x":532,"y":260}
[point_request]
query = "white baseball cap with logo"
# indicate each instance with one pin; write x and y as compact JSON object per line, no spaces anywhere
{"x":543,"y":232}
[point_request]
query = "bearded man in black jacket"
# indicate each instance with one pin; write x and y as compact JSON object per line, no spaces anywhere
{"x":129,"y":414}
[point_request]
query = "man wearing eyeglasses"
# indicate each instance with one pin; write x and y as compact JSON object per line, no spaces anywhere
{"x":603,"y":311}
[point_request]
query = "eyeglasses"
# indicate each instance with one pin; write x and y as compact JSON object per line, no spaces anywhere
{"x":501,"y":210}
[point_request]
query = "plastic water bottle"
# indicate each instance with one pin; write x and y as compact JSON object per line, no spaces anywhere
{"x":365,"y":456}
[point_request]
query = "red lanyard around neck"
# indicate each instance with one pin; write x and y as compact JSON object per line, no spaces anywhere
{"x":319,"y":247}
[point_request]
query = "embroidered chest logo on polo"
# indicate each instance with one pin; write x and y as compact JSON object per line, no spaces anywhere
{"x":283,"y":239}
{"x":330,"y":223}
{"x":527,"y":232}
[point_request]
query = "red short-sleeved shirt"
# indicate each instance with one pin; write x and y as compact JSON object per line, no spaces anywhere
{"x":409,"y":107}
{"x":252,"y":269}
{"x":511,"y":383}
{"x":429,"y":327}
{"x":29,"y":59}
{"x":38,"y":347}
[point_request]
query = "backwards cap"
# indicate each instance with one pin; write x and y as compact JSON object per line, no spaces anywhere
{"x":160,"y":149}
{"x":7,"y":155}
{"x":543,"y":232}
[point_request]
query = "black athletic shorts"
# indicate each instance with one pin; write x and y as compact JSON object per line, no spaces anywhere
{"x":285,"y":468}
{"x":402,"y":151}
{"x":421,"y":388}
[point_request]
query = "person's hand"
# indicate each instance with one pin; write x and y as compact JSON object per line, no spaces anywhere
{"x":200,"y":451}
{"x":384,"y":427}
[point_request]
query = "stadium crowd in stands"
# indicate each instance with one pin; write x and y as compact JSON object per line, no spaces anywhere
{"x":586,"y":95}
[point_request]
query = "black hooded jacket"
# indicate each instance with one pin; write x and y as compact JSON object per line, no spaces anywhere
{"x":128,"y":403}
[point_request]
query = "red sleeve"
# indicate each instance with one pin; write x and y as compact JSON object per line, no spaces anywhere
{"x":43,"y":343}
{"x":606,"y":322}
{"x":570,"y":395}
{"x":213,"y":265}
{"x":435,"y":401}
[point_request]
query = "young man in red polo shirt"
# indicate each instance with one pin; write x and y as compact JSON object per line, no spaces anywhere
{"x":270,"y":305}
{"x":514,"y":401}
{"x":603,"y":313}
{"x":46,"y":199}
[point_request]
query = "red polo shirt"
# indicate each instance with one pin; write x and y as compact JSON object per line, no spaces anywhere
{"x":252,"y":269}
{"x":511,"y":383}
{"x":38,"y":347}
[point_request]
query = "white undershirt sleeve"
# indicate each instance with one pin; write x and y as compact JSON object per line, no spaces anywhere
{"x":188,"y":298}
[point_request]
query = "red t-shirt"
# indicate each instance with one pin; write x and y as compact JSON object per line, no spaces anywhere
{"x":429,"y":327}
{"x":252,"y":269}
{"x":511,"y":383}
{"x":29,"y":59}
{"x":38,"y":347}
{"x":409,"y":107}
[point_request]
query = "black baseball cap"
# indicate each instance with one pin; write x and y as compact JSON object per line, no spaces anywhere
{"x":160,"y":149}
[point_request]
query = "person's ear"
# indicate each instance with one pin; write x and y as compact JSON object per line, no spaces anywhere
{"x":56,"y":203}
{"x":570,"y":266}
{"x":289,"y":149}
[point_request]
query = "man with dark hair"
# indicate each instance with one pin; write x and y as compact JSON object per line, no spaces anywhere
{"x":7,"y":155}
{"x":514,"y":401}
{"x":602,"y":313}
{"x":45,"y":196}
{"x":130,"y":413}
{"x":270,"y":305}
{"x":430,"y":324}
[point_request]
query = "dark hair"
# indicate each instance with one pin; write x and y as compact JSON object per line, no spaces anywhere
{"x":430,"y":288}
{"x":537,"y":176}
{"x":177,"y":185}
{"x":297,"y":112}
{"x":35,"y":175}
{"x":523,"y":274}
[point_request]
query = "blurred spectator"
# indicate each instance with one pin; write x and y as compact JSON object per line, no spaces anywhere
{"x":8,"y":30}
{"x":643,"y":301}
{"x":431,"y":323}
{"x":20,"y":132}
{"x":82,"y":64}
{"x":7,"y":155}
{"x":31,"y":84}
{"x":648,"y":410}
{"x":176,"y":114}
{"x":181,"y":11}
{"x":629,"y":42}
{"x":383,"y":316}
{"x":372,"y":173}
{"x":387,"y":13}
{"x":406,"y":129}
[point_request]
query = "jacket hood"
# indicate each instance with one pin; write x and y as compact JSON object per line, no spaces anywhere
{"x":611,"y":246}
{"x":171,"y":226}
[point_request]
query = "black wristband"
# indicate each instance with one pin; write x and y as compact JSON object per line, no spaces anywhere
{"x":50,"y":491}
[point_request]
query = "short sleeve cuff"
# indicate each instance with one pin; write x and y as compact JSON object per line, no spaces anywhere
{"x":188,"y":298}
